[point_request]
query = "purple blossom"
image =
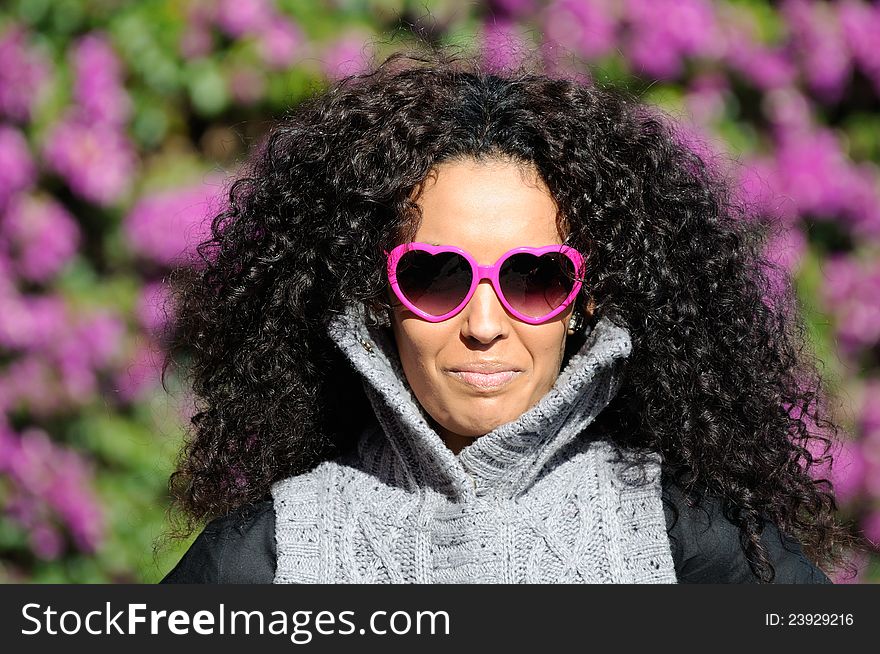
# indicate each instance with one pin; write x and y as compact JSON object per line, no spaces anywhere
{"x":502,"y":45}
{"x":58,"y":354}
{"x":814,"y":171}
{"x":96,"y":159}
{"x":30,"y":381}
{"x":166,"y":227}
{"x":812,"y":166}
{"x":786,"y":249}
{"x":97,"y":337}
{"x":758,"y":187}
{"x":345,"y":56}
{"x":142,"y":373}
{"x":24,"y":73}
{"x":97,"y":81}
{"x":788,"y":110}
{"x":154,"y":307}
{"x":706,"y":97}
{"x":50,"y":483}
{"x":698,"y":140}
{"x":841,"y":279}
{"x":281,"y":43}
{"x":39,"y":235}
{"x":30,"y":322}
{"x":860,"y":192}
{"x":766,"y":67}
{"x":663,"y":32}
{"x":17,"y":170}
{"x":860,"y":23}
{"x":817,"y":36}
{"x":655,"y":54}
{"x":847,"y":471}
{"x":91,"y":344}
{"x":589,"y":28}
{"x":869,"y":414}
{"x":244,"y":17}
{"x":852,"y":291}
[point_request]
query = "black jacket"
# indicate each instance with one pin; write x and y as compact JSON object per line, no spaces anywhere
{"x":240,"y":548}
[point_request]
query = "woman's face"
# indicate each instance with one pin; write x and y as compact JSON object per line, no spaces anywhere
{"x":486,"y":209}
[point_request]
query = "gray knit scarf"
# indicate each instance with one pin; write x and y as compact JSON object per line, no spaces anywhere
{"x":540,"y":499}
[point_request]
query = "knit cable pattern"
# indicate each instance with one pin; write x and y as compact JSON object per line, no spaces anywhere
{"x":540,"y":499}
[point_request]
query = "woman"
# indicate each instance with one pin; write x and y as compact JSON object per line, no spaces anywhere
{"x":462,"y":326}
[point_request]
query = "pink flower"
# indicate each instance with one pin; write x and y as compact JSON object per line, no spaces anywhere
{"x":30,"y":382}
{"x":95,"y":159}
{"x":167,"y":226}
{"x":860,"y":196}
{"x":17,"y":170}
{"x":91,"y":344}
{"x":860,"y":24}
{"x":788,"y":111}
{"x":818,"y":38}
{"x":786,"y":249}
{"x":46,"y":541}
{"x":869,"y":414}
{"x":31,"y":322}
{"x":154,"y":307}
{"x":24,"y":73}
{"x":97,"y":81}
{"x":98,"y":337}
{"x":759,"y":189}
{"x":502,"y":44}
{"x":841,"y":276}
{"x":812,"y":167}
{"x":663,"y":32}
{"x":243,"y":17}
{"x":281,"y":43}
{"x":846,"y":471}
{"x":49,"y":484}
{"x":706,"y":97}
{"x":589,"y":28}
{"x":698,"y":140}
{"x":345,"y":56}
{"x":852,"y":292}
{"x":142,"y":373}
{"x":40,"y":235}
{"x":766,"y":68}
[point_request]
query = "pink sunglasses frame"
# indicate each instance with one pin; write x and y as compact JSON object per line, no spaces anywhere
{"x":483,"y":272}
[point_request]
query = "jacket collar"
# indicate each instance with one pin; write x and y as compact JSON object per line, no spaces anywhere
{"x":506,"y":461}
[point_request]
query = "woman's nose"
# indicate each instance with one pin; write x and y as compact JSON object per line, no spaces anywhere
{"x":484,"y":316}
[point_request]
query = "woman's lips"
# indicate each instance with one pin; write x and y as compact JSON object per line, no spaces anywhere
{"x":483,"y":380}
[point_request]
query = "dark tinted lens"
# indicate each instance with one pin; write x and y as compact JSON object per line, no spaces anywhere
{"x":534,"y":285}
{"x":435,"y":283}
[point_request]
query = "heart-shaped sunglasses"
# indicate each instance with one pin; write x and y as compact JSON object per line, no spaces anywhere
{"x":534,"y":284}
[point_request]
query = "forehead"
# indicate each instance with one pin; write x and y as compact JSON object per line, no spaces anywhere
{"x":486,"y":208}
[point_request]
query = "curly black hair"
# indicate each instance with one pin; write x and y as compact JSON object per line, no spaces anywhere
{"x":721,"y":380}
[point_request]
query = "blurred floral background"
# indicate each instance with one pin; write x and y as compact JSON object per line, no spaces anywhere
{"x":120,"y":121}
